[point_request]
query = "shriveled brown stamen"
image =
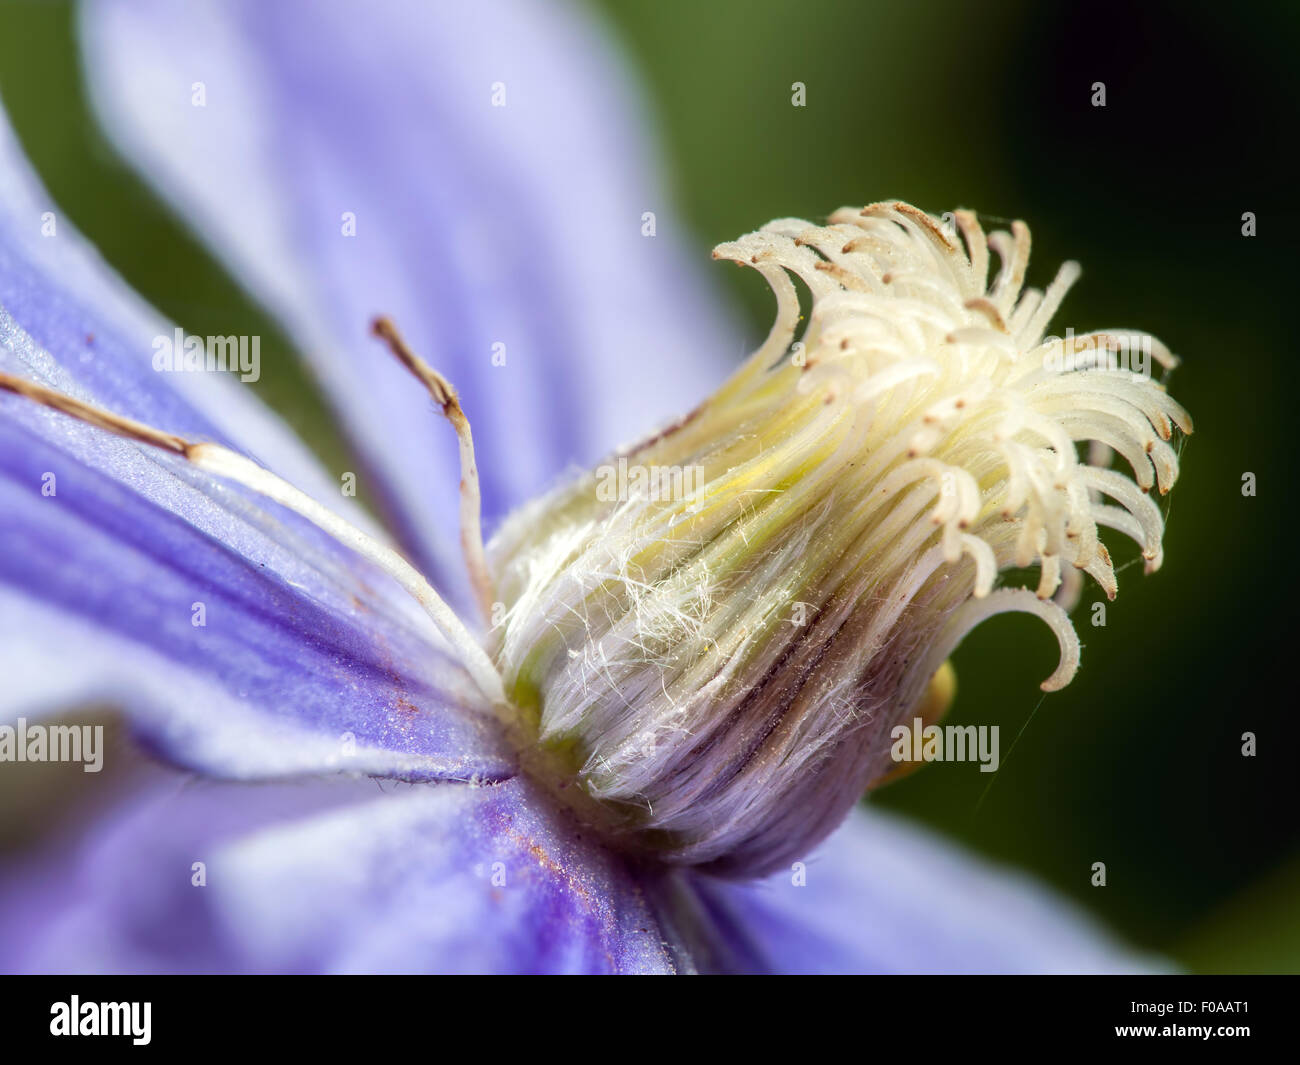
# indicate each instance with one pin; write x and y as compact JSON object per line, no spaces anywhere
{"x":102,"y":419}
{"x":471,"y":499}
{"x":222,"y":462}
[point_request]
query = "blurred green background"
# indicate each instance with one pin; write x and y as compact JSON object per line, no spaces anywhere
{"x":1138,"y":763}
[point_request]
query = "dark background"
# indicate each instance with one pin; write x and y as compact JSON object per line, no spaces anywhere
{"x":988,"y":105}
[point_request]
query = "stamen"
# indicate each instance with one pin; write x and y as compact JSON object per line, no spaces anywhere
{"x":1066,"y":276}
{"x":707,"y":667}
{"x":471,"y":499}
{"x":222,"y":462}
{"x":114,"y":423}
{"x":1013,"y":250}
{"x":977,"y":247}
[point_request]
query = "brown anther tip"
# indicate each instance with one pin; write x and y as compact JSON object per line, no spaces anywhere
{"x":844,"y":344}
{"x":963,"y":524}
{"x":847,"y":248}
{"x":960,"y":404}
{"x":887,"y":278}
{"x":1151,"y":446}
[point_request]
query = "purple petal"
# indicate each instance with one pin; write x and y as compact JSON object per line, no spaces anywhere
{"x":100,"y":335}
{"x":475,"y":225}
{"x":303,"y":644}
{"x":883,"y":896}
{"x":330,"y":877}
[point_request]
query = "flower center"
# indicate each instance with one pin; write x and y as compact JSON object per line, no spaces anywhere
{"x":712,"y":635}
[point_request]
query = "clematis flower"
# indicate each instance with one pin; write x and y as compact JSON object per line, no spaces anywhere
{"x":646,"y":754}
